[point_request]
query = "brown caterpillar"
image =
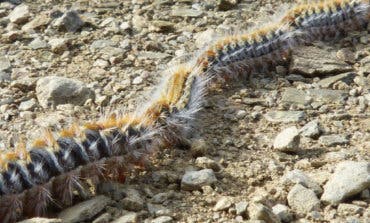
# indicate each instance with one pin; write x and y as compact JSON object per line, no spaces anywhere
{"x":59,"y":166}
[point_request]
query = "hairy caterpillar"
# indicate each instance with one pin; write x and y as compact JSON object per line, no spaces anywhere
{"x":59,"y":166}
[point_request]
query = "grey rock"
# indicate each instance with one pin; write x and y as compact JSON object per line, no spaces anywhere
{"x":20,"y":14}
{"x":158,"y":210}
{"x":53,"y":91}
{"x":133,"y":201}
{"x":299,"y":177}
{"x":282,"y":212}
{"x":84,"y":211}
{"x":287,"y":140}
{"x":303,"y":200}
{"x":5,"y":64}
{"x":223,"y":204}
{"x":311,"y":129}
{"x":329,"y":81}
{"x":194,"y":180}
{"x":161,"y":197}
{"x":327,"y":96}
{"x":100,"y":44}
{"x":137,"y":80}
{"x":162,"y":219}
{"x":42,"y":220}
{"x":259,"y":211}
{"x":38,"y":43}
{"x":104,"y":218}
{"x":349,"y":209}
{"x":5,"y":77}
{"x":348,"y":179}
{"x":241,"y":208}
{"x":207,"y":163}
{"x":130,"y":217}
{"x":285,"y":116}
{"x":113,"y":190}
{"x":28,"y":105}
{"x":313,"y":61}
{"x":70,"y":21}
{"x":184,"y":12}
{"x":295,"y":96}
{"x":333,"y":140}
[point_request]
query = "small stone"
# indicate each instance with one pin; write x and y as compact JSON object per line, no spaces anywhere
{"x":287,"y":140}
{"x":101,"y":63}
{"x":158,"y":210}
{"x":194,"y":180}
{"x":130,"y":217}
{"x":5,"y":77}
{"x":223,"y":204}
{"x":259,"y":211}
{"x":311,"y":129}
{"x":137,"y":80}
{"x":84,"y":211}
{"x":20,"y":14}
{"x":241,"y":114}
{"x":42,"y":220}
{"x":303,"y":200}
{"x":38,"y":43}
{"x":349,"y":209}
{"x":53,"y":91}
{"x":284,"y":116}
{"x":299,"y":177}
{"x":100,"y":44}
{"x":104,"y":218}
{"x":184,"y":12}
{"x":333,"y":140}
{"x":161,"y":26}
{"x":329,"y":81}
{"x":37,"y":23}
{"x":161,"y":197}
{"x":282,"y":212}
{"x":162,"y":219}
{"x":241,"y":208}
{"x":28,"y":105}
{"x":59,"y":45}
{"x":133,"y":201}
{"x":5,"y":64}
{"x":70,"y":21}
{"x":348,"y":179}
{"x":207,"y":163}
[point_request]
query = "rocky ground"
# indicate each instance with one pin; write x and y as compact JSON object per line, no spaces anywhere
{"x":292,"y":145}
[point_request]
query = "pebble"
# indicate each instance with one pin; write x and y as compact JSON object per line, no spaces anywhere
{"x":5,"y":64}
{"x":207,"y":163}
{"x":303,"y":200}
{"x":5,"y":77}
{"x":162,"y":219}
{"x":314,"y":61}
{"x":257,"y":211}
{"x":38,"y":22}
{"x":137,"y":80}
{"x":59,"y":45}
{"x":100,"y":44}
{"x":53,"y":91}
{"x":284,"y":116}
{"x":241,"y":208}
{"x":329,"y":81}
{"x":38,"y":43}
{"x":311,"y":129}
{"x":282,"y":212}
{"x":184,"y":12}
{"x":84,"y":211}
{"x":194,"y":180}
{"x":287,"y":140}
{"x":20,"y":14}
{"x":223,"y":204}
{"x":42,"y":220}
{"x":70,"y":21}
{"x":333,"y":140}
{"x":349,"y":209}
{"x":133,"y":201}
{"x":299,"y":177}
{"x":158,"y":210}
{"x":240,"y":114}
{"x":349,"y":178}
{"x":28,"y":105}
{"x":130,"y":217}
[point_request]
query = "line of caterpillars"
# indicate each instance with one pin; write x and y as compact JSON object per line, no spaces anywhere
{"x":59,"y":166}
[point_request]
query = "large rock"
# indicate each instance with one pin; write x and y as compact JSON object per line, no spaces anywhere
{"x":313,"y":61}
{"x":53,"y":91}
{"x":194,"y":180}
{"x":349,"y":178}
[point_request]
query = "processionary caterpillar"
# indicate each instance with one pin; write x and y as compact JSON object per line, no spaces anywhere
{"x":59,"y":166}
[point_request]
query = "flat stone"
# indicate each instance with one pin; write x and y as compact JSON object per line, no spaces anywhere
{"x":328,"y":96}
{"x":223,"y":204}
{"x":28,"y":105}
{"x":37,"y":23}
{"x":38,"y":43}
{"x":194,"y":180}
{"x":348,"y":179}
{"x":185,"y":12}
{"x":130,"y":217}
{"x":257,"y":211}
{"x":284,"y":116}
{"x":333,"y":140}
{"x":158,"y":210}
{"x":282,"y":212}
{"x":84,"y":211}
{"x":53,"y":91}
{"x":349,"y":209}
{"x":287,"y":140}
{"x":329,"y":81}
{"x":162,"y":219}
{"x":100,"y":44}
{"x":295,"y":96}
{"x":313,"y":61}
{"x":41,"y":220}
{"x":311,"y":129}
{"x":303,"y":200}
{"x":20,"y":14}
{"x":299,"y":177}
